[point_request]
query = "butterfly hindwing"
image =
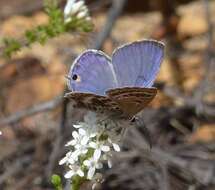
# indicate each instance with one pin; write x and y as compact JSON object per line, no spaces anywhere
{"x":132,"y":100}
{"x":96,"y":103}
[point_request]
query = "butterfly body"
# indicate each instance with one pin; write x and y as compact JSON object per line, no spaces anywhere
{"x":121,"y":86}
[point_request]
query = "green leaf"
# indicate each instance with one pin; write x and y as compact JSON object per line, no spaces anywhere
{"x":31,"y":36}
{"x":77,"y":181}
{"x":56,"y":181}
{"x":11,"y":46}
{"x":55,"y":27}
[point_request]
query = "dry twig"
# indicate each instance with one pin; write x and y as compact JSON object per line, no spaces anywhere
{"x":206,"y":82}
{"x":31,"y":111}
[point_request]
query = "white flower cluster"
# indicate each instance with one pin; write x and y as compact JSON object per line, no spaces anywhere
{"x":76,"y":9}
{"x":91,"y":145}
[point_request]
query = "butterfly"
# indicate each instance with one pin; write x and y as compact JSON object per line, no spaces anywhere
{"x":120,"y":86}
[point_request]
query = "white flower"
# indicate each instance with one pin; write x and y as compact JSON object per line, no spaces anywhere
{"x":0,"y":133}
{"x":92,"y":164}
{"x":116,"y":147}
{"x":107,"y":157}
{"x":90,"y":124}
{"x":99,"y":148}
{"x":87,"y":137}
{"x":80,"y":142}
{"x":87,"y":128}
{"x":77,"y":126}
{"x":72,"y":7}
{"x":74,"y":170}
{"x":82,"y":149}
{"x":80,"y":138}
{"x":75,"y":8}
{"x":70,"y":158}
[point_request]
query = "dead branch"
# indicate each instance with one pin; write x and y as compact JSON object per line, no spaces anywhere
{"x":188,"y":102}
{"x":17,"y":7}
{"x":209,"y":64}
{"x":114,"y":12}
{"x":14,"y":168}
{"x":42,"y":107}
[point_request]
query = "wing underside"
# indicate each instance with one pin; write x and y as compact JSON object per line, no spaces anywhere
{"x":132,"y":100}
{"x":96,"y":103}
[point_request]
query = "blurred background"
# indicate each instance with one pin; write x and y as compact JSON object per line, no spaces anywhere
{"x":36,"y":121}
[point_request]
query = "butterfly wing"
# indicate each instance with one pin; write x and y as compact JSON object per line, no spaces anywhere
{"x":134,"y":65}
{"x":132,"y":100}
{"x":137,"y":63}
{"x":96,"y":103}
{"x":92,"y":72}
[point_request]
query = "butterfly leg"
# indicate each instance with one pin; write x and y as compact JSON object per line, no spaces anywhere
{"x":138,"y":122}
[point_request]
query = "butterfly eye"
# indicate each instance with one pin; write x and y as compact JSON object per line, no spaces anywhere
{"x":74,"y":77}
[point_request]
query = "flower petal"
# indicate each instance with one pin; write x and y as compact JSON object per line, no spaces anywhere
{"x":85,"y":140}
{"x":91,"y":172}
{"x":109,"y":163}
{"x":77,"y":126}
{"x":80,"y":173}
{"x":63,"y":161}
{"x":105,"y":148}
{"x":81,"y":131}
{"x":71,"y":143}
{"x":97,"y":154}
{"x":69,"y":6}
{"x":82,"y":14}
{"x":71,"y":161}
{"x":69,"y":174}
{"x":84,"y":151}
{"x":93,"y":145}
{"x":93,"y":135}
{"x":75,"y":134}
{"x":116,"y":147}
{"x":75,"y":155}
{"x":76,"y":7}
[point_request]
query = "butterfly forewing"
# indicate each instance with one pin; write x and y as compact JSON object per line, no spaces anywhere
{"x":136,"y":64}
{"x":132,"y":100}
{"x":92,"y":72}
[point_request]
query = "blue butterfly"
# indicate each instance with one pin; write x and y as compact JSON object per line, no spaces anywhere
{"x":121,"y":85}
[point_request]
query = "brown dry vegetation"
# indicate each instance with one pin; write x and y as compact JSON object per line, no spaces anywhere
{"x":36,"y":121}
